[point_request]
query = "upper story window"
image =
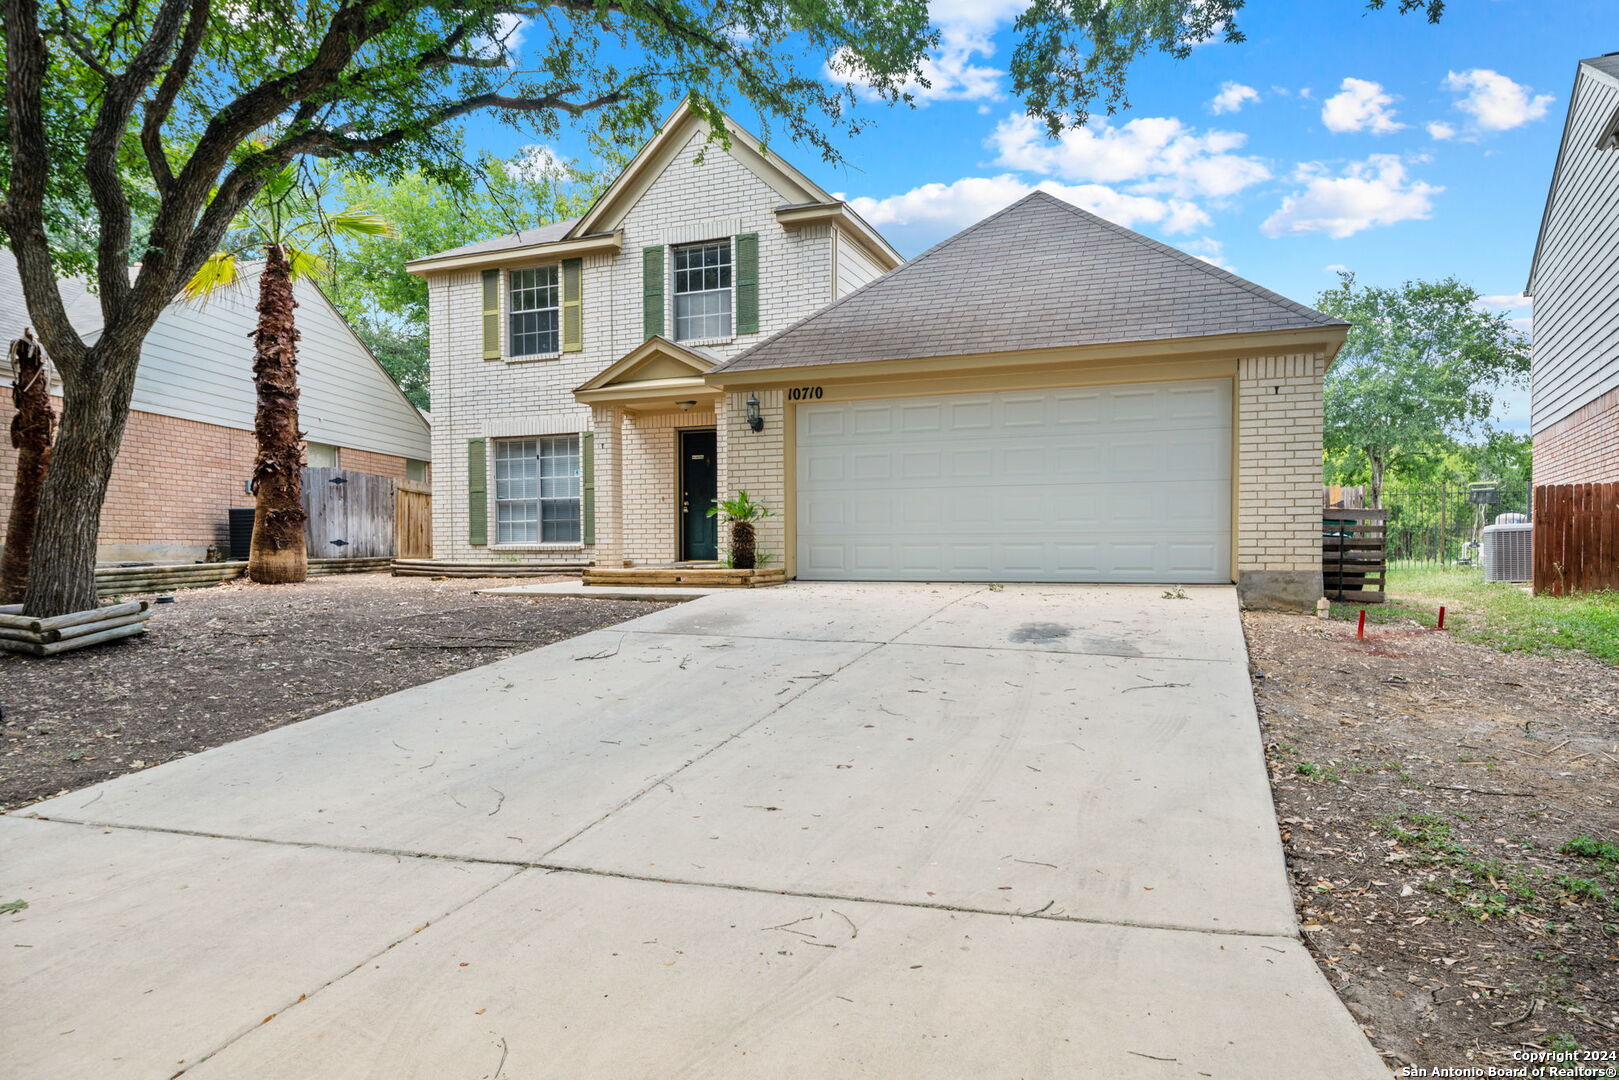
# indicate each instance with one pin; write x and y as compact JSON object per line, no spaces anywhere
{"x":535,"y":315}
{"x":703,"y":291}
{"x":537,"y":490}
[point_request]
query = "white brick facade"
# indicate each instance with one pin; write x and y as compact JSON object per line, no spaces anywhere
{"x":475,"y":398}
{"x":1279,"y":421}
{"x":756,"y":462}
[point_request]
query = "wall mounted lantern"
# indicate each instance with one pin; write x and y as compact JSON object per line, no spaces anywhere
{"x":755,"y":421}
{"x":686,"y":406}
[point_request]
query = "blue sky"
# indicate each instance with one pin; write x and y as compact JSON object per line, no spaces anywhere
{"x":1333,"y":137}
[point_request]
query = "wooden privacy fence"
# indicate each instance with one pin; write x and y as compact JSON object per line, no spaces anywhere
{"x":1354,"y":557}
{"x":1576,"y":538}
{"x":356,"y":515}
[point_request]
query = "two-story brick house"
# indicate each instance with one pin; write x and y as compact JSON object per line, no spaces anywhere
{"x":571,"y":419}
{"x":1045,"y":396}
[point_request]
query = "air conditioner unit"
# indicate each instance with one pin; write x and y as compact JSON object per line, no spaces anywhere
{"x":1508,"y":550}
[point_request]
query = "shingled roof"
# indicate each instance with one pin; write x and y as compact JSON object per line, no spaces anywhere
{"x":522,"y":238}
{"x":1039,"y":274}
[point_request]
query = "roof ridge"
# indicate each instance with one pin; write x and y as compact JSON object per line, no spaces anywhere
{"x":900,"y":269}
{"x":1192,"y":261}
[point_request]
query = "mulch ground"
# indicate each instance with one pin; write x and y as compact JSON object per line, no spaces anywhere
{"x":1450,"y":815}
{"x":226,"y":662}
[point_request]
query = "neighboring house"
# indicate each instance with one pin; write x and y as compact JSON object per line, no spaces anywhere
{"x":1574,"y":281}
{"x":188,"y":450}
{"x":1044,"y":397}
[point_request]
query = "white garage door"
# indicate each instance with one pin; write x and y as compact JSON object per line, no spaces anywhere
{"x":1103,"y":483}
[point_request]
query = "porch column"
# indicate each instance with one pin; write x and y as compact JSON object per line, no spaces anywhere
{"x":606,"y":424}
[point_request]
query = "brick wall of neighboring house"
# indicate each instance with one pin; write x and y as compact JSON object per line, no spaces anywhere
{"x":1278,"y":436}
{"x":509,"y":397}
{"x":173,"y":485}
{"x":1582,"y":447}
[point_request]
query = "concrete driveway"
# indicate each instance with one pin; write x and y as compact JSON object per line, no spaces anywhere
{"x":808,"y":832}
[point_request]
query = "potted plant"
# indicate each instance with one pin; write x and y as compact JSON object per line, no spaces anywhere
{"x":741,"y":512}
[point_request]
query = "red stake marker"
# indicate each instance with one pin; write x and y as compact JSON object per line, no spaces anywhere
{"x":1441,"y":625}
{"x":1360,"y":628}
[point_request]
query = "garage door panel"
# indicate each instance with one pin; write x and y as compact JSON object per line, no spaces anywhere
{"x":1092,"y":484}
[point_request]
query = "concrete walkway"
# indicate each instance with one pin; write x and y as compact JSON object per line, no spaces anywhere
{"x":819,"y":831}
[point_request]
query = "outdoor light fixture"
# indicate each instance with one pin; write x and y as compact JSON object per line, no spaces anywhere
{"x":685,"y":406}
{"x":755,"y":421}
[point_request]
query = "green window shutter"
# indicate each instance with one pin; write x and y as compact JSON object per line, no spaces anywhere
{"x":573,"y":311}
{"x":652,"y":290}
{"x":478,"y":492}
{"x":747,"y":283}
{"x":587,"y":487}
{"x":491,"y":314}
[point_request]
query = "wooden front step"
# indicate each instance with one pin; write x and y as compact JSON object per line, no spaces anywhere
{"x":690,"y":577}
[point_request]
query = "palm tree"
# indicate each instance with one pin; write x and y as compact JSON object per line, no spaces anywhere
{"x":284,"y":222}
{"x":741,"y":512}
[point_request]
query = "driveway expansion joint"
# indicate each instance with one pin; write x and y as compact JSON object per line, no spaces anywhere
{"x":560,"y":868}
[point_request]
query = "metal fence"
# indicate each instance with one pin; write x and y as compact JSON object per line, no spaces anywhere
{"x":1438,"y":524}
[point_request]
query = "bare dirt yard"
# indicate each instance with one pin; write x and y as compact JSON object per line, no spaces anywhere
{"x":226,"y":662}
{"x":1451,"y":819}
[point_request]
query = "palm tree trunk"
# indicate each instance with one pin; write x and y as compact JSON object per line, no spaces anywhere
{"x":278,"y":554}
{"x":743,"y":551}
{"x":31,"y":431}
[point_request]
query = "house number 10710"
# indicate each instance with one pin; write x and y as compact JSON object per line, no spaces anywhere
{"x":804,"y":393}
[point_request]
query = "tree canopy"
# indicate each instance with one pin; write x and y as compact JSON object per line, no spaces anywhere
{"x":1417,"y":374}
{"x":384,"y":302}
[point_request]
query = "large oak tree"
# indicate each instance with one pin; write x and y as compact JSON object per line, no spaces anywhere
{"x":138,"y":129}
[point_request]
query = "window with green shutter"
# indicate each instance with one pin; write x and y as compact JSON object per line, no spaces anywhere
{"x":652,"y":290}
{"x":573,"y":313}
{"x":747,"y":283}
{"x":477,"y":492}
{"x":491,"y":314}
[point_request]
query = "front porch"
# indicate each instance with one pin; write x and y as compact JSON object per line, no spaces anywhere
{"x":657,"y":470}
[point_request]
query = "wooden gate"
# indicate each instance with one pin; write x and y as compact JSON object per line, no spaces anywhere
{"x":1576,"y":538}
{"x":351,"y":514}
{"x":414,"y":517}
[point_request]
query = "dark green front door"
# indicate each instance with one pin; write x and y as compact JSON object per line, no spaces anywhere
{"x":698,"y":531}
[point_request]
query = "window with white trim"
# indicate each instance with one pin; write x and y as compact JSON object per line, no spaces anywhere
{"x":535,"y":299}
{"x":703,"y":291}
{"x":537,"y":489}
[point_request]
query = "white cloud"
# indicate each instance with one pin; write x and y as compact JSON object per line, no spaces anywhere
{"x":1360,"y":105}
{"x":537,"y":162}
{"x":506,"y":38}
{"x":1441,"y":130}
{"x":1157,"y":155}
{"x":1368,"y":193}
{"x":974,"y":198}
{"x":1335,"y":268}
{"x":1232,"y":97}
{"x":953,"y":73}
{"x":1507,"y":300}
{"x":1209,"y":250}
{"x":1495,"y":102}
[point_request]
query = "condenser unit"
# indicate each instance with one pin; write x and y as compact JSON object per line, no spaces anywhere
{"x":1508,"y":551}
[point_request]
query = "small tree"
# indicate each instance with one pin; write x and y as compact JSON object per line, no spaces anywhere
{"x":1420,"y":367}
{"x":283,"y":223}
{"x":31,"y":430}
{"x":741,"y":512}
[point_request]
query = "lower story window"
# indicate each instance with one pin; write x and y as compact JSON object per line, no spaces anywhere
{"x":537,"y":490}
